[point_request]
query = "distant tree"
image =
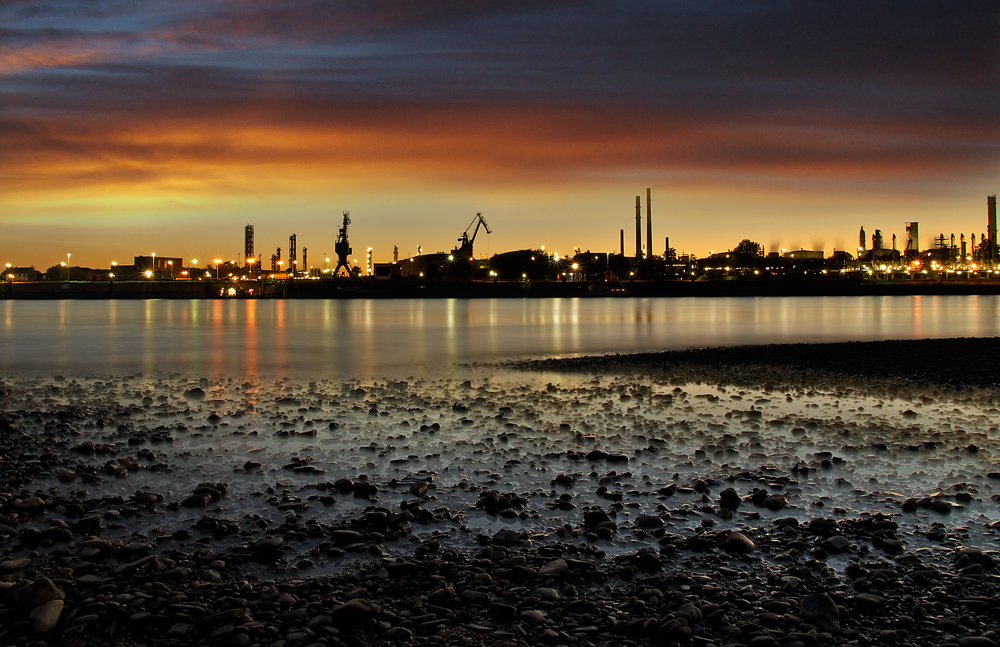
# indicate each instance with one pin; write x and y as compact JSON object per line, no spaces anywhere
{"x":57,"y":273}
{"x":749,"y":249}
{"x":747,"y":253}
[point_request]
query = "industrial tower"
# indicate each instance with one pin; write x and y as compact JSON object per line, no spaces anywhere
{"x":248,"y":243}
{"x":343,"y":248}
{"x":649,"y":227}
{"x":991,"y":229}
{"x":638,"y":227}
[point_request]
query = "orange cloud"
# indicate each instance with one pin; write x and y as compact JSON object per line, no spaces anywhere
{"x":236,"y":149}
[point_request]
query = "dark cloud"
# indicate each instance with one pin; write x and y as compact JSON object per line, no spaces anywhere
{"x":843,"y":75}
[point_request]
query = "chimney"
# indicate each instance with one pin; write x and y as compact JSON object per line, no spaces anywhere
{"x":649,"y":228}
{"x":638,"y":227}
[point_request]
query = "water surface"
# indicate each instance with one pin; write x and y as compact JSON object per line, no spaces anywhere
{"x":385,"y":338}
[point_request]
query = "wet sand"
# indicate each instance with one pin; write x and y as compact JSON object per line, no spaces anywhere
{"x":780,"y":495}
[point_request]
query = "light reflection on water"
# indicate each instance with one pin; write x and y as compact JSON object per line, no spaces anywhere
{"x":363,"y":339}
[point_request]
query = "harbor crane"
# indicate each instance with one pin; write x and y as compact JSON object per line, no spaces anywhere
{"x":343,"y":248}
{"x":464,"y":251}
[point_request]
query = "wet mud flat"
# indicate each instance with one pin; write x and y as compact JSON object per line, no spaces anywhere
{"x":594,"y":501}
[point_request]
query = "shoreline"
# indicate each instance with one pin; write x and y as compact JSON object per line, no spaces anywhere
{"x":386,"y":289}
{"x":767,"y":535}
{"x":956,"y":361}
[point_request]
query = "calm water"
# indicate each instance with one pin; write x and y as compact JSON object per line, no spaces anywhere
{"x":307,"y":339}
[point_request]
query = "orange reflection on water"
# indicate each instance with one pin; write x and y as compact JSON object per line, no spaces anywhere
{"x":217,"y":354}
{"x":250,"y":338}
{"x":280,"y":347}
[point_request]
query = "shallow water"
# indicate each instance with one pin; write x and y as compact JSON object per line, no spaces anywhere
{"x":314,"y":339}
{"x":515,"y":432}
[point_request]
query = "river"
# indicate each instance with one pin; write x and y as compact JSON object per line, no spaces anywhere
{"x":342,"y":339}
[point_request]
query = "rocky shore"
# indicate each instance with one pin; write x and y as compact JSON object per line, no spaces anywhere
{"x":605,"y":512}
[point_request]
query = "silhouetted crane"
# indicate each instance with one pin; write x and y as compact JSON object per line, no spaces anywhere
{"x":464,"y":251}
{"x":343,"y":248}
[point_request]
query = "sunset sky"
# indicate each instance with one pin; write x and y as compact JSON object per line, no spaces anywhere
{"x":136,"y":126}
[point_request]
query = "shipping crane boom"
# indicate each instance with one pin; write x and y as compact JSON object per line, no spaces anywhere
{"x":465,"y":249}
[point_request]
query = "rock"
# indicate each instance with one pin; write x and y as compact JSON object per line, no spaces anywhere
{"x":729,"y":498}
{"x":868,"y":603}
{"x":547,"y":594}
{"x":737,"y":543}
{"x":819,"y":609}
{"x":532,"y":617}
{"x":598,"y":455}
{"x":689,"y":612}
{"x":555,"y":567}
{"x":474,"y":597}
{"x":836,"y":544}
{"x":195,"y":394}
{"x":593,"y":518}
{"x":503,"y":611}
{"x":89,"y":580}
{"x":196,"y":501}
{"x":35,"y":594}
{"x":31,"y":505}
{"x":322,"y":620}
{"x":345,"y":537}
{"x":648,"y":521}
{"x":46,"y":616}
{"x":13,"y":565}
{"x":354,"y":612}
{"x":269,"y":545}
{"x":775,"y":502}
{"x":505,"y":537}
{"x":976,"y":641}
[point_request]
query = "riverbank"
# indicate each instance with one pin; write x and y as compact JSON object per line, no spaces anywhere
{"x":946,"y":362}
{"x":408,"y":289}
{"x":589,"y":502}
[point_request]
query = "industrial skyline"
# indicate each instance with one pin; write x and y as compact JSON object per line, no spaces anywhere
{"x":873,"y":250}
{"x":143,"y":126}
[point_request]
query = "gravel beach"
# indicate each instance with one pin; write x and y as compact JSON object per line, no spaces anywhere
{"x":815,"y":494}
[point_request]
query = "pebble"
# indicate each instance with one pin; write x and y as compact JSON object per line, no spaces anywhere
{"x":608,"y":552}
{"x":46,"y":616}
{"x":737,"y":543}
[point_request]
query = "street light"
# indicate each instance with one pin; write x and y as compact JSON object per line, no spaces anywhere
{"x":218,"y":261}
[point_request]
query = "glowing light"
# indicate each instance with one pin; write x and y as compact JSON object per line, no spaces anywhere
{"x":148,"y":273}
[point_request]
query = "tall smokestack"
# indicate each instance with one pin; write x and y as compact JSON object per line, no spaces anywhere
{"x":248,"y":242}
{"x":991,"y":230}
{"x":621,"y":234}
{"x":638,"y":226}
{"x":649,"y":228}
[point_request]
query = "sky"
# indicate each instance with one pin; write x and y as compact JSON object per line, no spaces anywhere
{"x":130,"y":127}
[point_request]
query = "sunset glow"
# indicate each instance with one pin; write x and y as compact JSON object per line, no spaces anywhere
{"x":177,"y":124}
